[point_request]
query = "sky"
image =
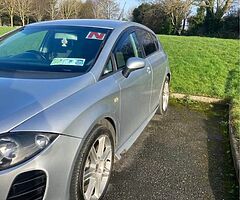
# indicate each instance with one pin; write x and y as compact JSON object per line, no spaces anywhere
{"x":130,"y":4}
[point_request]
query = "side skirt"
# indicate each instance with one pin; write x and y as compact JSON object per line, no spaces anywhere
{"x":124,"y":148}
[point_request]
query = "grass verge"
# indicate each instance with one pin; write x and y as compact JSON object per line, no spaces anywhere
{"x":219,"y":113}
{"x":5,"y":29}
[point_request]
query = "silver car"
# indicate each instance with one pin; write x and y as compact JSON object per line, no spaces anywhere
{"x":74,"y":96}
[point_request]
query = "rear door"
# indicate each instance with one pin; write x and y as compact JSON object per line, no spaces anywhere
{"x":135,"y":90}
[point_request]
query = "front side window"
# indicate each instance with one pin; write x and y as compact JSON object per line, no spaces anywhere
{"x":127,"y":47}
{"x":53,"y":48}
{"x":147,"y":42}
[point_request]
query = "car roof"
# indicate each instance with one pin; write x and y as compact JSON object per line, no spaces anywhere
{"x":100,"y":23}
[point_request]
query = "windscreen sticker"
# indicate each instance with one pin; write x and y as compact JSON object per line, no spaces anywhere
{"x":95,"y":36}
{"x":68,"y":61}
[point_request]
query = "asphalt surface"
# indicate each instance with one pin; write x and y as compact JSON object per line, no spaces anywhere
{"x":179,"y":156}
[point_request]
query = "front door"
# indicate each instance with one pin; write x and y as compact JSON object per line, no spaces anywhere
{"x":135,"y":92}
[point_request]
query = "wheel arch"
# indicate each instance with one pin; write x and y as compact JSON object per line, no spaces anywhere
{"x":113,"y":123}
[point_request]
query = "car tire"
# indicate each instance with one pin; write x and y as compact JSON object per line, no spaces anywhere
{"x":164,"y":97}
{"x":94,"y":164}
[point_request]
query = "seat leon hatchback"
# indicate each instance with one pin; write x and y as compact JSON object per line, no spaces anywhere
{"x":74,"y":95}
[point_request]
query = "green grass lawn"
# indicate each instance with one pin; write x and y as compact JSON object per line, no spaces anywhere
{"x":200,"y":65}
{"x":5,"y":29}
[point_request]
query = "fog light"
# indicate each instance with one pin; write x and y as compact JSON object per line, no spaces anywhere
{"x":42,"y":141}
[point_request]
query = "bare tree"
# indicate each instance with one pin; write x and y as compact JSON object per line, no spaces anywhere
{"x":23,"y":9}
{"x":178,"y":11}
{"x":10,"y":8}
{"x":52,"y":9}
{"x":218,"y":8}
{"x":2,"y":10}
{"x":86,"y":11}
{"x":107,"y":9}
{"x":39,"y":9}
{"x":69,"y":8}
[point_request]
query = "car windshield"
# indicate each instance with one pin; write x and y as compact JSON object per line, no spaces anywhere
{"x":52,"y":49}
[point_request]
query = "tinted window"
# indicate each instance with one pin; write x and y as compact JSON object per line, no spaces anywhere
{"x":155,"y":41}
{"x":127,"y":47}
{"x":147,"y":42}
{"x":56,"y":48}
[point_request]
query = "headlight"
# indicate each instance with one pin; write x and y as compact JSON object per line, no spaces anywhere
{"x":18,"y":147}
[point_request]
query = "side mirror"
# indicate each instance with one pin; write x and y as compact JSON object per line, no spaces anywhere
{"x":132,"y":65}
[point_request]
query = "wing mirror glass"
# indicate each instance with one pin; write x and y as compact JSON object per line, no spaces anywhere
{"x":133,"y":64}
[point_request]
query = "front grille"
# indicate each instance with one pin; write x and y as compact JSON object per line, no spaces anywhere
{"x":28,"y":186}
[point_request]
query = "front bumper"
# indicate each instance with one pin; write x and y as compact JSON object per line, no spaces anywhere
{"x":57,"y":161}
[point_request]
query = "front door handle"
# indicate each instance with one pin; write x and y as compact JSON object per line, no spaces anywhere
{"x":149,"y":70}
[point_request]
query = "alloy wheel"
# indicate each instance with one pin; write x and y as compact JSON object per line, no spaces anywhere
{"x":166,"y":93}
{"x":97,"y":168}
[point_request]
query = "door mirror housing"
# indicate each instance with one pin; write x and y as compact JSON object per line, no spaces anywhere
{"x":133,"y":64}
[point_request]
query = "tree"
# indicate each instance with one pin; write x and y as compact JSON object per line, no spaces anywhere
{"x":51,"y":9}
{"x":2,"y":10}
{"x":10,"y":8}
{"x":196,"y":22}
{"x":210,"y":17}
{"x":23,"y":9}
{"x":139,"y":12}
{"x":106,"y":9}
{"x":215,"y":10}
{"x":39,"y":9}
{"x":86,"y":10}
{"x":154,"y":17}
{"x":177,"y":10}
{"x":69,"y":8}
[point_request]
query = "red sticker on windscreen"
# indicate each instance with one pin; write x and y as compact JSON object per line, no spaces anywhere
{"x":96,"y":36}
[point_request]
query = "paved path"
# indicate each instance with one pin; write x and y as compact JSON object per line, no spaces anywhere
{"x":180,"y":156}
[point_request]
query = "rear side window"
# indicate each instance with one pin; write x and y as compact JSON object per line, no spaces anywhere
{"x":147,"y":42}
{"x":127,"y":47}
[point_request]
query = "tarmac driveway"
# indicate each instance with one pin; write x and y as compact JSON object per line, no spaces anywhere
{"x":179,"y":156}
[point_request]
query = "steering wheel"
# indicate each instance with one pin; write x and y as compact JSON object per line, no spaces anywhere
{"x":37,"y":54}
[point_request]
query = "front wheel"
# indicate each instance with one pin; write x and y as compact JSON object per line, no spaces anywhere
{"x":94,"y":165}
{"x":164,"y":97}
